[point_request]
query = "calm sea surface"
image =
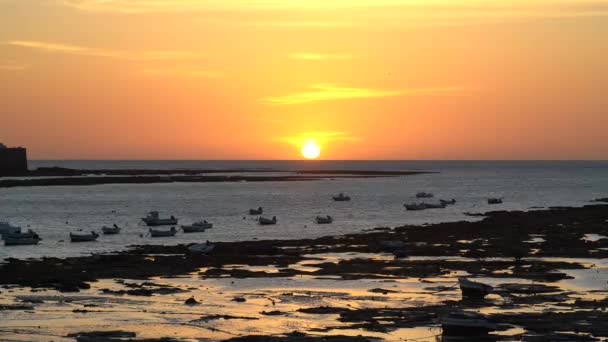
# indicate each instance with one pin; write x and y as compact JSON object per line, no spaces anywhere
{"x":55,"y":211}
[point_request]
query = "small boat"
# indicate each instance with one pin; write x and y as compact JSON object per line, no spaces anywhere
{"x":21,"y":235}
{"x":19,"y":239}
{"x":392,"y":244}
{"x":415,"y":206}
{"x":434,"y":205}
{"x":324,"y":219}
{"x":79,"y":237}
{"x":497,"y":200}
{"x":341,"y":197}
{"x":110,"y":230}
{"x":423,"y":206}
{"x":472,"y":289}
{"x":163,"y":233}
{"x":201,"y":248}
{"x":466,"y":324}
{"x":6,"y":228}
{"x":258,"y":211}
{"x":400,"y":253}
{"x":447,"y":202}
{"x":197,"y":227}
{"x":265,"y":221}
{"x":423,"y":194}
{"x":153,"y":219}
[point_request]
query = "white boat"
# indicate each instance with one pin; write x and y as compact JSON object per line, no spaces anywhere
{"x":423,"y":194}
{"x":197,"y":227}
{"x":27,"y":238}
{"x":466,"y":324}
{"x":110,"y":230}
{"x":20,"y":241}
{"x":423,"y":206}
{"x":6,"y":228}
{"x":472,"y":289}
{"x":153,"y":219}
{"x":258,"y":211}
{"x":415,"y":206}
{"x":324,"y":219}
{"x":497,"y":200}
{"x":201,"y":248}
{"x":447,"y":202}
{"x":80,"y":237}
{"x":341,"y":197}
{"x":163,"y":233}
{"x":265,"y":221}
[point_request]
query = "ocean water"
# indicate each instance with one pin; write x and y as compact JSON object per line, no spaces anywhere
{"x":53,"y":212}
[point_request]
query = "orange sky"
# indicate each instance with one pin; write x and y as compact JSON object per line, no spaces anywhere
{"x":252,"y":79}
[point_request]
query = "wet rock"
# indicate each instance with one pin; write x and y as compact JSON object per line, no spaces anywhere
{"x":273,"y":313}
{"x":191,"y":301}
{"x":224,"y":317}
{"x":113,"y":335}
{"x":15,"y":307}
{"x":323,"y":310}
{"x":383,"y":291}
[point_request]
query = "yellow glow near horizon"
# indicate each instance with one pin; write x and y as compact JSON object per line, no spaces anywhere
{"x":258,"y":79}
{"x":311,"y":150}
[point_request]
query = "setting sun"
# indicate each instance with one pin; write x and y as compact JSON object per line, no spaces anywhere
{"x":311,"y":150}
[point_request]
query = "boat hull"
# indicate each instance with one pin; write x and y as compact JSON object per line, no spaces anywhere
{"x":12,"y":241}
{"x":159,"y":222}
{"x":83,"y":238}
{"x":110,"y":231}
{"x":162,"y":233}
{"x":195,"y":229}
{"x":201,"y":248}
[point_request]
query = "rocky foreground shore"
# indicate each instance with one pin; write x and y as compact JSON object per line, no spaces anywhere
{"x":537,"y":247}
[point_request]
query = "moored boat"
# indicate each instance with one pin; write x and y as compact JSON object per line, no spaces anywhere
{"x":197,"y":227}
{"x":423,"y":194}
{"x":497,"y":200}
{"x":27,"y":238}
{"x":472,"y":289}
{"x":80,"y":237}
{"x":266,"y":221}
{"x":153,"y":219}
{"x":201,"y":248}
{"x":415,"y":206}
{"x":341,"y":197}
{"x":258,"y":211}
{"x":466,"y":324}
{"x":20,"y":241}
{"x":434,"y":205}
{"x":423,"y":206}
{"x":6,"y":228}
{"x":163,"y":233}
{"x":110,"y":230}
{"x":324,"y":219}
{"x":447,"y":202}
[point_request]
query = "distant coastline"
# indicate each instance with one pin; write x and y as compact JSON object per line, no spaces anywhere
{"x":56,"y":176}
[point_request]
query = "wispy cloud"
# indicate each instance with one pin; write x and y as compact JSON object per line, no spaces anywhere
{"x":320,"y":137}
{"x":427,"y":7}
{"x":328,"y":92}
{"x":185,"y":71}
{"x":317,"y":56}
{"x":10,"y":66}
{"x":148,"y":55}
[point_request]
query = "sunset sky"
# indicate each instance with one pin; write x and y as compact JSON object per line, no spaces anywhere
{"x":255,"y":79}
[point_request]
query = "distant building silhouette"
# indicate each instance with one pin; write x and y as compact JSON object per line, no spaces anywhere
{"x":13,"y":160}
